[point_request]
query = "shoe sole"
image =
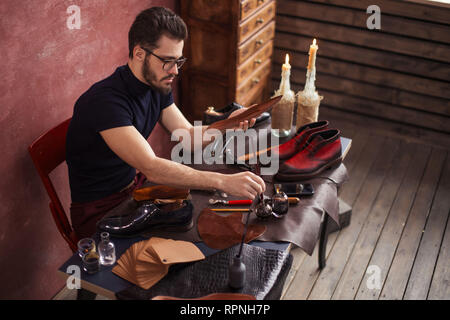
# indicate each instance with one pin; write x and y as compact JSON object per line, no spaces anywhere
{"x":309,"y":175}
{"x":158,"y":227}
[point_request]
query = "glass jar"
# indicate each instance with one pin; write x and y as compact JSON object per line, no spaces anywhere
{"x":280,"y":204}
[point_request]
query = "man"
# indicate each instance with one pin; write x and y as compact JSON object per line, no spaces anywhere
{"x":107,"y":137}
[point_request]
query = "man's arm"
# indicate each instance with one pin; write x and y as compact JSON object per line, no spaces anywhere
{"x":132,"y":148}
{"x":172,"y":119}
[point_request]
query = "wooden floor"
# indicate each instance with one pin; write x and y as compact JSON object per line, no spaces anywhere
{"x":398,"y":243}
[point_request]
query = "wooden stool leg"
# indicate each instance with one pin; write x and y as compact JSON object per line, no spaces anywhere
{"x":323,"y":242}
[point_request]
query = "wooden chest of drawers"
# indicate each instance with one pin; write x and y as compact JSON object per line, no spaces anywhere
{"x":229,"y":53}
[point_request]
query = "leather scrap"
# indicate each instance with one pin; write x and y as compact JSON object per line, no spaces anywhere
{"x":146,"y":262}
{"x":221,"y":232}
{"x":160,"y":192}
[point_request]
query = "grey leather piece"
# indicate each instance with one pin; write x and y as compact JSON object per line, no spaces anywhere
{"x":266,"y":272}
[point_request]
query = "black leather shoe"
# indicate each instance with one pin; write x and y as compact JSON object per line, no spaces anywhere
{"x":210,"y":115}
{"x":263,"y":117}
{"x":148,"y":216}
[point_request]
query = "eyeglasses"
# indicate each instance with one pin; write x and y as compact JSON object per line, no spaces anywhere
{"x":168,"y":63}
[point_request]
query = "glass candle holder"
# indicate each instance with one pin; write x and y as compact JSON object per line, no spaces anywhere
{"x":282,"y":116}
{"x":307,"y":108}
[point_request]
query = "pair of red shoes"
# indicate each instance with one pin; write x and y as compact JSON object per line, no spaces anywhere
{"x":314,"y":148}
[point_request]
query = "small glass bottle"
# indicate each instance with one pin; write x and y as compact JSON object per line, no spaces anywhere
{"x":236,"y":273}
{"x":106,"y":250}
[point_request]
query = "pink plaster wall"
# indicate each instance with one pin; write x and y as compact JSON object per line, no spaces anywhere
{"x":45,"y":68}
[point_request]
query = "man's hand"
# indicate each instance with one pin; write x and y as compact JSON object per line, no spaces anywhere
{"x":243,"y":184}
{"x":243,"y":125}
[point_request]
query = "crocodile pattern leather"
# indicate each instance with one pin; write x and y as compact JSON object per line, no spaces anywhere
{"x":266,"y":272}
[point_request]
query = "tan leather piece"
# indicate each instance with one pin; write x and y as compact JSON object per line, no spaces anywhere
{"x":221,"y":232}
{"x":159,"y":192}
{"x":146,"y":262}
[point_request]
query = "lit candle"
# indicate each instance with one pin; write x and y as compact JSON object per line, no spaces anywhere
{"x":312,"y":55}
{"x":285,"y":85}
{"x":311,"y":71}
{"x":286,"y":66}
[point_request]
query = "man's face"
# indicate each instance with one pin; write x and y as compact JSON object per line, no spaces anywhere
{"x":152,"y":68}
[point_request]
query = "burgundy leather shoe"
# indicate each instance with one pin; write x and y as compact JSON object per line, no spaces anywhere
{"x":292,"y":146}
{"x":297,"y":143}
{"x":322,"y":150}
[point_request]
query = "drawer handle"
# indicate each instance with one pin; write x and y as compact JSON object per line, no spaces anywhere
{"x":259,"y":41}
{"x":258,"y":61}
{"x":256,"y":80}
{"x":260,"y":20}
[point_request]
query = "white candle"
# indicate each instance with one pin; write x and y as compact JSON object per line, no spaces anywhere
{"x":282,"y":113}
{"x":310,"y":86}
{"x":285,"y":85}
{"x":312,"y":55}
{"x":309,"y":99}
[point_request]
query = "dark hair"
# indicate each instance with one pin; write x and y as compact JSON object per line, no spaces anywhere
{"x":151,"y":24}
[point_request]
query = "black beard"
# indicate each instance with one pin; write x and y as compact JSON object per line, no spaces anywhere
{"x":151,"y":79}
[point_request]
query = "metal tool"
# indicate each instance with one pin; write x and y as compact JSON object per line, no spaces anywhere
{"x":230,"y":202}
{"x":215,"y":147}
{"x":291,"y":200}
{"x":231,"y":210}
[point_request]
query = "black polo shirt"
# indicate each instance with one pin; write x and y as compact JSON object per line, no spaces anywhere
{"x":119,"y":100}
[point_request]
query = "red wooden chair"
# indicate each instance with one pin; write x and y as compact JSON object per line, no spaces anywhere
{"x":48,"y":152}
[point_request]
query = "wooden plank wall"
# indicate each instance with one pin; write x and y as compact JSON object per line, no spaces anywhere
{"x":399,"y":73}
